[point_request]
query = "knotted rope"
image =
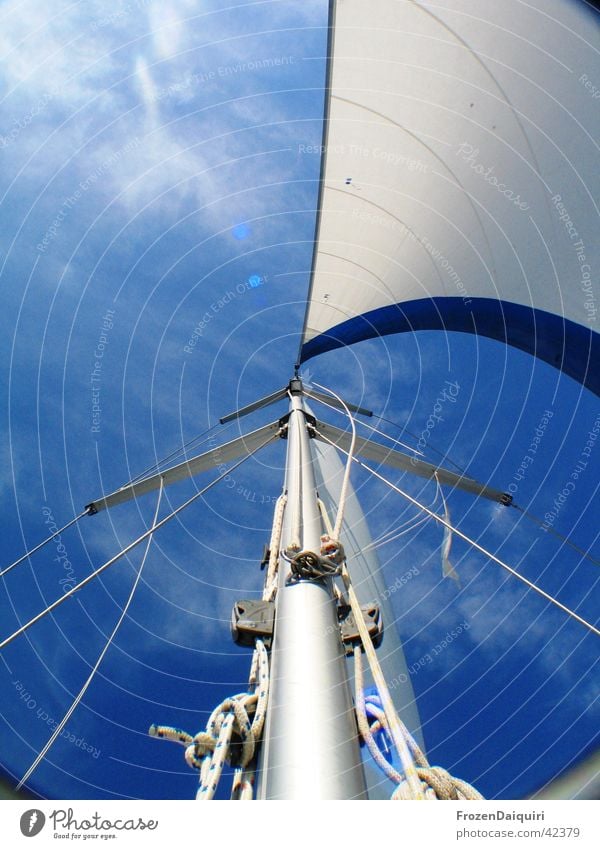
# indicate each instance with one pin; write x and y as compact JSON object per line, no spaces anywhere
{"x":231,"y":735}
{"x":435,"y":782}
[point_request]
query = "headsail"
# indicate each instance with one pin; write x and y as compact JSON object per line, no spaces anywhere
{"x":459,"y":184}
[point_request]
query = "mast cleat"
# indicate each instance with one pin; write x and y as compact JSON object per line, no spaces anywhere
{"x":349,"y":629}
{"x":252,"y":619}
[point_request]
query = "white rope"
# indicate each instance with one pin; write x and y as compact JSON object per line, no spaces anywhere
{"x":472,"y":542}
{"x":131,"y":545}
{"x":365,"y":424}
{"x":396,"y":533}
{"x":57,"y":533}
{"x":209,"y":750}
{"x":393,"y":720}
{"x":57,"y":731}
{"x":363,"y":723}
{"x":270,"y":586}
{"x":242,"y":788}
{"x":337,"y":528}
{"x":435,"y":782}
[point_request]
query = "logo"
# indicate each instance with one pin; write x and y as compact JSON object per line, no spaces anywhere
{"x":32,"y":822}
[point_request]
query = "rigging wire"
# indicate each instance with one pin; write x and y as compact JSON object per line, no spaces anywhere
{"x":57,"y":731}
{"x":366,"y":424}
{"x":42,"y":544}
{"x":155,"y":466}
{"x":472,"y":542}
{"x":131,"y":545}
{"x":527,"y":514}
{"x":532,"y":518}
{"x":441,"y":454}
{"x":556,"y":533}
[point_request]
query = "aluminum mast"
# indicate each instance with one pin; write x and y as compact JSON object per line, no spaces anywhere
{"x":310,"y":747}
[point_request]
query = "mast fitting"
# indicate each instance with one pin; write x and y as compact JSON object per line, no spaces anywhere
{"x":252,"y":618}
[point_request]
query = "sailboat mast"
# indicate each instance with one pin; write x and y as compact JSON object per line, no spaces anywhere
{"x":310,"y":745}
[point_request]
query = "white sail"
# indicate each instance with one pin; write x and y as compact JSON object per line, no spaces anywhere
{"x":459,"y":184}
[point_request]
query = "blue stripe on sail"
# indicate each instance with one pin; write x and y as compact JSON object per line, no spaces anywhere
{"x":569,"y":346}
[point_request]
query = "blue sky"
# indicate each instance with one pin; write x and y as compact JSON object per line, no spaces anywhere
{"x":154,"y":162}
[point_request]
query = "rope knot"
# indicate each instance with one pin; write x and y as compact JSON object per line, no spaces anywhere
{"x":437,"y":783}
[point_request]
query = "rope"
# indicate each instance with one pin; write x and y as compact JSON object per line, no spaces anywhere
{"x":131,"y":545}
{"x":417,"y":777}
{"x":42,"y":544}
{"x":472,"y":542}
{"x":366,"y":732}
{"x":270,"y":586}
{"x":209,"y":750}
{"x":396,"y":533}
{"x":337,"y":528}
{"x":435,"y":782}
{"x":394,"y":724}
{"x":367,"y":425}
{"x":411,"y":781}
{"x":57,"y":731}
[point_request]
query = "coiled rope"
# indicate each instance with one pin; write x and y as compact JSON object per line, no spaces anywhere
{"x":231,"y":735}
